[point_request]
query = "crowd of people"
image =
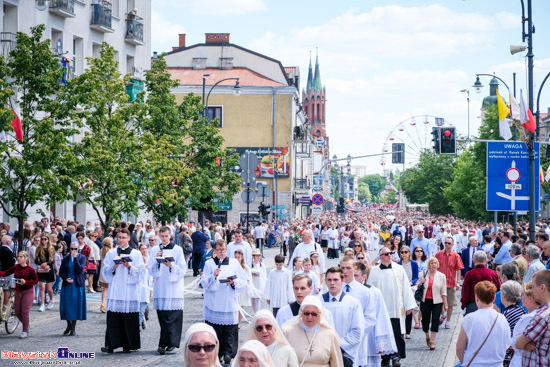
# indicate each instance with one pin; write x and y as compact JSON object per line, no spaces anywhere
{"x":305,"y":313}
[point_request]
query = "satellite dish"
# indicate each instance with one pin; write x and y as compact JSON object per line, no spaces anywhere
{"x":59,"y":46}
{"x":41,"y":5}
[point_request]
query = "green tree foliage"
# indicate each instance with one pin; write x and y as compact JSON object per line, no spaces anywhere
{"x":110,"y":153}
{"x":34,"y":170}
{"x":376,"y":183}
{"x":425,"y":182}
{"x":364,"y":193}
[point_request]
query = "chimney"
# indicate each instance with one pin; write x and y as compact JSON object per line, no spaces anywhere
{"x":175,"y":48}
{"x":182,"y":40}
{"x":216,"y":38}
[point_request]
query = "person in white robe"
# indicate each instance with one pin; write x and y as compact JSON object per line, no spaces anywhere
{"x":398,"y":296}
{"x":278,"y":288}
{"x":259,"y":278}
{"x":314,"y":277}
{"x":265,"y":329}
{"x":305,"y":248}
{"x":145,"y":288}
{"x":239,"y":243}
{"x":168,"y":290}
{"x":222,"y":280}
{"x":123,"y":269}
{"x":253,"y":353}
{"x":347,"y":313}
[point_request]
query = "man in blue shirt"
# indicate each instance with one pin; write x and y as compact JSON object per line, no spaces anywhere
{"x":503,"y":255}
{"x":546,"y":251}
{"x":199,"y":248}
{"x":421,"y":241}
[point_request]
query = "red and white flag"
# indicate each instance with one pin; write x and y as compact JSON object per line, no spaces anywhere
{"x":17,"y":127}
{"x":526,"y":117}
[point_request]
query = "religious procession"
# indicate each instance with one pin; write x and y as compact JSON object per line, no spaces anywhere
{"x":342,"y":291}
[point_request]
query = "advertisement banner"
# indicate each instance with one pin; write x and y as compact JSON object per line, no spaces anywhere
{"x":269,"y":161}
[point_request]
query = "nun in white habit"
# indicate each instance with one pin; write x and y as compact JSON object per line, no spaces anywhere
{"x":265,"y":329}
{"x":202,"y":336}
{"x":253,"y":350}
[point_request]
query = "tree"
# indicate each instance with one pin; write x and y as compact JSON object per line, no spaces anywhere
{"x":364,"y":193}
{"x":425,"y":182}
{"x":34,"y":169}
{"x":376,"y":183}
{"x":111,"y":153}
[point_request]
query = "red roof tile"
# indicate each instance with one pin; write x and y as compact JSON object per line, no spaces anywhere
{"x":247,"y":77}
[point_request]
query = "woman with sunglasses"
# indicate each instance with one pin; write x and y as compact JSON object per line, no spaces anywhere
{"x":45,"y":259}
{"x":26,"y":279}
{"x":72,"y":305}
{"x":265,"y":329}
{"x":411,"y":268}
{"x":315,"y":342}
{"x":201,"y":346}
{"x":421,"y":259}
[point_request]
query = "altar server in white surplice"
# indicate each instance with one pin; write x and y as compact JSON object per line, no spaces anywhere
{"x":223,"y":279}
{"x":168,"y":268}
{"x":398,"y":296}
{"x":278,"y":288}
{"x":380,"y":337}
{"x":355,"y":289}
{"x":347,"y":314}
{"x":123,"y":298}
{"x":305,"y":248}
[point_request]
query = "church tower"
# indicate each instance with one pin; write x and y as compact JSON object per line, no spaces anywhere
{"x":313,"y":102}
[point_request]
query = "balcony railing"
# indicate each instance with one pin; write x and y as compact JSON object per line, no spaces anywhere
{"x":301,"y":184}
{"x":102,"y":17}
{"x":9,"y":43}
{"x":134,"y":29}
{"x":64,"y":8}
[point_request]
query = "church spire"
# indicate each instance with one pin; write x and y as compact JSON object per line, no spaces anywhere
{"x":309,"y":85}
{"x":317,"y":78}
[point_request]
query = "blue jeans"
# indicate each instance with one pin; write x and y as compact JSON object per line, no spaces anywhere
{"x":142,"y":307}
{"x":56,"y":284}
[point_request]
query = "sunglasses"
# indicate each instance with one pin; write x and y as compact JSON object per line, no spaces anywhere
{"x":418,"y":250}
{"x":197,"y":348}
{"x":387,"y":254}
{"x":74,"y":249}
{"x":314,"y":314}
{"x":360,"y":258}
{"x":268,"y":327}
{"x":404,"y":252}
{"x":448,"y":243}
{"x":45,"y":239}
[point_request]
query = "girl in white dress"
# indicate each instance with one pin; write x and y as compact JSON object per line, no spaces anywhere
{"x":244,"y":296}
{"x":259,"y":277}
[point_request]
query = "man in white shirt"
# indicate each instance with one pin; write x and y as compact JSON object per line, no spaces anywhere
{"x":259,"y":234}
{"x":333,"y":247}
{"x":241,"y":245}
{"x":305,"y":248}
{"x":347,"y":314}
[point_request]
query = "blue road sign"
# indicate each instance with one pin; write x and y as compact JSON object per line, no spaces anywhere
{"x":317,"y":199}
{"x":508,"y":176}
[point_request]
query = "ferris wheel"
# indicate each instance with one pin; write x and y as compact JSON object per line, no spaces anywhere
{"x":416,"y":133}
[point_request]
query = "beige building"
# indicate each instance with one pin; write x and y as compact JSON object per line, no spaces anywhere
{"x":263,"y":118}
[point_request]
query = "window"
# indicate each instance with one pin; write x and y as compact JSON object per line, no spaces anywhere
{"x":215,"y":112}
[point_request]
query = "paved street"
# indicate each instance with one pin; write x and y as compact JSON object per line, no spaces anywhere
{"x":46,"y":333}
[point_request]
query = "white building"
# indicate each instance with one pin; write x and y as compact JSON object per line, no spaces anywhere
{"x":76,"y":29}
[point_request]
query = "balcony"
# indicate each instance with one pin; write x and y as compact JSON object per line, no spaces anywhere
{"x":8,"y":43}
{"x":134,"y":30}
{"x":102,"y":17}
{"x":63,"y":8}
{"x":301,"y":184}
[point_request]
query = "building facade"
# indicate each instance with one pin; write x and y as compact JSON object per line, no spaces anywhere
{"x":262,"y":119}
{"x":77,"y":28}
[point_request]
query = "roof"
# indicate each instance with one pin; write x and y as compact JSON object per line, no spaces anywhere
{"x":290,"y":69}
{"x":247,"y":77}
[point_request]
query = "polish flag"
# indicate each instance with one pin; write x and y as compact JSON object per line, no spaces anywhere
{"x":17,"y":127}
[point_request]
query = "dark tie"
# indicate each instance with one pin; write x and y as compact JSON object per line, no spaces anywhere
{"x":333,"y":299}
{"x":347,"y":288}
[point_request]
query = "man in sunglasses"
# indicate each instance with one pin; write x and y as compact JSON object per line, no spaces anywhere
{"x":399,"y":298}
{"x":450,"y":264}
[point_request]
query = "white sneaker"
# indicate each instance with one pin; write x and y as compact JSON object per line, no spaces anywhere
{"x":42,"y":308}
{"x":24,"y":334}
{"x":50,"y":305}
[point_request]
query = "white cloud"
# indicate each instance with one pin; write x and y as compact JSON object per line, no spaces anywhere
{"x":215,"y":7}
{"x":164,"y":32}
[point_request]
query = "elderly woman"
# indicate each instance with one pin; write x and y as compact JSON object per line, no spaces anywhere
{"x":510,"y":294}
{"x":265,"y":329}
{"x":253,"y":354}
{"x":484,"y":334}
{"x":201,"y":346}
{"x":434,"y":300}
{"x":73,"y":297}
{"x":508,"y":271}
{"x":316,"y":343}
{"x":531,"y":305}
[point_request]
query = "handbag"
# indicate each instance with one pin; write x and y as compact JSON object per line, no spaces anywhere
{"x":419,"y":293}
{"x":482,"y":344}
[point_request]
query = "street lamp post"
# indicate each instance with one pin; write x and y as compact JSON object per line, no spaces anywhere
{"x":237,"y":92}
{"x":467,"y":91}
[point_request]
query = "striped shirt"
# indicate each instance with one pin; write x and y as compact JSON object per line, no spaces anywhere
{"x":513,"y":313}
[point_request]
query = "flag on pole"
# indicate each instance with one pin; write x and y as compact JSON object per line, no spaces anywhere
{"x":503,"y":111}
{"x":515,"y":111}
{"x":547,"y":175}
{"x":527,"y":120}
{"x":541,"y":175}
{"x":17,"y":127}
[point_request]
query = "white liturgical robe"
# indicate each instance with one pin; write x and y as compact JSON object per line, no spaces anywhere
{"x":168,"y":282}
{"x":278,"y":288}
{"x":244,"y":246}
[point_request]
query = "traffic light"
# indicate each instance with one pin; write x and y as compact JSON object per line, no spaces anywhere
{"x":266,"y":210}
{"x":340,"y":208}
{"x":398,"y":153}
{"x":435,"y":139}
{"x":447,"y":140}
{"x":261,"y":209}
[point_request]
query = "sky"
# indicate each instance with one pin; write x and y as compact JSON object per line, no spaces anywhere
{"x":382,"y":61}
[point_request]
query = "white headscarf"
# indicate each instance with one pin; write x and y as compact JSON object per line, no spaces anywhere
{"x":259,"y":350}
{"x":266,"y":314}
{"x":198,"y":328}
{"x":313,"y":301}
